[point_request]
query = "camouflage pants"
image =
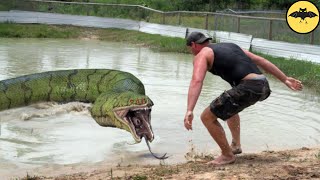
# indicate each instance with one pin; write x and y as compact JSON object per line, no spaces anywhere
{"x":233,"y":101}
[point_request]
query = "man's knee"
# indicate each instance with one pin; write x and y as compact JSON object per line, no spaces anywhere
{"x":208,"y":116}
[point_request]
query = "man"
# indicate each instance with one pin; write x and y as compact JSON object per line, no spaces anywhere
{"x":240,"y":69}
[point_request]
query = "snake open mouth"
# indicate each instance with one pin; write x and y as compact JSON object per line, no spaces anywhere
{"x":138,"y":119}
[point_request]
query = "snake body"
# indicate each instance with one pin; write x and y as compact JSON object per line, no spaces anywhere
{"x":118,"y":97}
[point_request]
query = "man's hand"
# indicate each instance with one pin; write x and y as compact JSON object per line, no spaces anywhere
{"x":294,"y":84}
{"x":188,"y":120}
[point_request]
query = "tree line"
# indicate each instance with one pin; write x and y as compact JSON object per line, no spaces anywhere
{"x":206,"y":5}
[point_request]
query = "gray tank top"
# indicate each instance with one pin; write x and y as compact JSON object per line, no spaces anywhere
{"x":231,"y":63}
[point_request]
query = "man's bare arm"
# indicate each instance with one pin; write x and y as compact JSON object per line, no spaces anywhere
{"x":267,"y":66}
{"x":200,"y":64}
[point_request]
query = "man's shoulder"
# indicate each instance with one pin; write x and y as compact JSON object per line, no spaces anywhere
{"x":207,"y":53}
{"x":207,"y":50}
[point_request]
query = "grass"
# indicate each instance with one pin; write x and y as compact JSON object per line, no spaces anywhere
{"x":139,"y":177}
{"x":155,"y":42}
{"x":164,"y":171}
{"x":28,"y":177}
{"x":318,"y":155}
{"x":37,"y":31}
{"x":307,"y":72}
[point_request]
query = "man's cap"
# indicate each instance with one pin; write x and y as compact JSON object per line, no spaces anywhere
{"x":196,"y":37}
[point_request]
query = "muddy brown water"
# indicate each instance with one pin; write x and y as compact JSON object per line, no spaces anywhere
{"x":33,"y":137}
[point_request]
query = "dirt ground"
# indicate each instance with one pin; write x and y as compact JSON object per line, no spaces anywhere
{"x":303,"y":163}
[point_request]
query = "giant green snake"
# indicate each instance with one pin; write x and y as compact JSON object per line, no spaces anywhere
{"x":118,"y":97}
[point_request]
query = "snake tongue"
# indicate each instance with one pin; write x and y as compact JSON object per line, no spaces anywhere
{"x":154,"y":155}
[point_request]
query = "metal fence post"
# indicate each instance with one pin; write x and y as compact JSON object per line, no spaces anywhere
{"x":216,"y":22}
{"x":206,"y":23}
{"x":14,"y":4}
{"x":312,"y":37}
{"x":179,"y":18}
{"x":163,"y":17}
{"x":139,"y":10}
{"x":87,"y":7}
{"x":238,"y":24}
{"x":270,"y":30}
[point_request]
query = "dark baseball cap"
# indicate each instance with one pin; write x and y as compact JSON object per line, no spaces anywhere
{"x":197,"y":37}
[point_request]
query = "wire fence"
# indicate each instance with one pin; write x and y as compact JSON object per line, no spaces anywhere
{"x":259,"y":27}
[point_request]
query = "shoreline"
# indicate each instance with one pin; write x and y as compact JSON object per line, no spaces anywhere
{"x":302,"y":163}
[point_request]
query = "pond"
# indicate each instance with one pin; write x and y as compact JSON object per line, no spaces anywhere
{"x":33,"y":137}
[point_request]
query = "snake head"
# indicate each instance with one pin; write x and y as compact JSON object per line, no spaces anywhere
{"x":127,"y":110}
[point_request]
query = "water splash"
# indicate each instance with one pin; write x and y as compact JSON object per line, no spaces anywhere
{"x":47,"y":109}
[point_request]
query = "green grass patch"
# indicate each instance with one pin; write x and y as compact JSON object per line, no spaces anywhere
{"x":155,"y":42}
{"x":37,"y":31}
{"x":28,"y":177}
{"x":165,"y":171}
{"x":318,"y":155}
{"x":139,"y":177}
